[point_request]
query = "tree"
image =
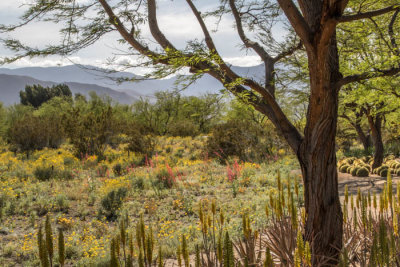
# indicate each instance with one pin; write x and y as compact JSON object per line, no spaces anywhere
{"x":89,"y":126}
{"x":373,"y":99}
{"x":35,"y":95}
{"x":27,"y":134}
{"x":158,"y":116}
{"x":312,"y":25}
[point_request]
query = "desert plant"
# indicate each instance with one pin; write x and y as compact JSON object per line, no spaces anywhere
{"x":164,"y":178}
{"x":362,"y":172}
{"x":354,"y":170}
{"x":383,"y":172}
{"x":112,"y":202}
{"x":61,"y":247}
{"x":343,"y":168}
{"x":44,"y":173}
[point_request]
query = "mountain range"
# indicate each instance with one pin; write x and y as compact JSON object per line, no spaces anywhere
{"x":83,"y":79}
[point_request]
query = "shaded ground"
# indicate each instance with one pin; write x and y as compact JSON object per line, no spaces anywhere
{"x":373,"y":183}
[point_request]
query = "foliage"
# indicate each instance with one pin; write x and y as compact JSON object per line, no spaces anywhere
{"x":90,"y":126}
{"x":111,"y":203}
{"x":238,"y":138}
{"x":35,"y":95}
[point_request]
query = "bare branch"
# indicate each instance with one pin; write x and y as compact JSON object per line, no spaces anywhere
{"x":265,"y":57}
{"x":114,"y":20}
{"x":247,"y":42}
{"x":288,"y":52}
{"x":297,"y":20}
{"x":154,"y":29}
{"x":366,"y":15}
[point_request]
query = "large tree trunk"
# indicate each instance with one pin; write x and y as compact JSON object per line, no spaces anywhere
{"x":317,"y":156}
{"x":376,"y":133}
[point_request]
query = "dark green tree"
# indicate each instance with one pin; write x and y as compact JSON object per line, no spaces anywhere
{"x":35,"y":95}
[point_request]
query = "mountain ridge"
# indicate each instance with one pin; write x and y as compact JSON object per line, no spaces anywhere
{"x":11,"y":85}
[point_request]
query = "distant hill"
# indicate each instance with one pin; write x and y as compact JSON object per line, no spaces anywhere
{"x":86,"y":78}
{"x":11,"y":85}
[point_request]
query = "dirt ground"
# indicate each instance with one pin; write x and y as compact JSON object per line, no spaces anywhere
{"x":372,"y":183}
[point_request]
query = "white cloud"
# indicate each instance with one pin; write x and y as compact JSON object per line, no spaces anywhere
{"x":245,"y":61}
{"x":175,"y":19}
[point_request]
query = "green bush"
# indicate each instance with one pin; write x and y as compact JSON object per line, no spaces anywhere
{"x":62,"y":202}
{"x":65,"y":174}
{"x":164,"y":179}
{"x":183,"y":128}
{"x":112,"y":202}
{"x":362,"y":172}
{"x":138,"y":183}
{"x":238,"y":139}
{"x":44,"y":173}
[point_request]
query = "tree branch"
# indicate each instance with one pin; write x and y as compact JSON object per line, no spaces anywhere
{"x":154,"y":29}
{"x":366,"y":15}
{"x":265,"y":57}
{"x":297,"y":20}
{"x":367,"y":75}
{"x":391,"y":33}
{"x":265,"y":104}
{"x":288,"y":52}
{"x":114,"y":20}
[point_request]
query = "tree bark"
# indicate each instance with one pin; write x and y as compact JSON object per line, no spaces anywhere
{"x":317,"y":157}
{"x":376,"y":133}
{"x":365,"y":139}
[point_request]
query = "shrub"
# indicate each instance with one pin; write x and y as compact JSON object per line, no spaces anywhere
{"x":62,"y":202}
{"x":183,"y":128}
{"x":138,"y":139}
{"x":362,"y":172}
{"x":112,"y":202}
{"x":117,"y":169}
{"x":238,"y":139}
{"x":138,"y":183}
{"x":65,"y":175}
{"x":44,"y":173}
{"x":164,"y":178}
{"x":101,"y":170}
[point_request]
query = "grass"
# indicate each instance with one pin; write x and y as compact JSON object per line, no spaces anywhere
{"x":85,"y":199}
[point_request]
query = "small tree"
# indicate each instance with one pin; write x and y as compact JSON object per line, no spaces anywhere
{"x":89,"y":126}
{"x":27,"y":134}
{"x":36,"y":95}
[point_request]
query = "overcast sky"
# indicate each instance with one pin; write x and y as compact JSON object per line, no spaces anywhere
{"x":175,"y":18}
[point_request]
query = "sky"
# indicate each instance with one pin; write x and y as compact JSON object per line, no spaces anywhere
{"x":175,"y":19}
